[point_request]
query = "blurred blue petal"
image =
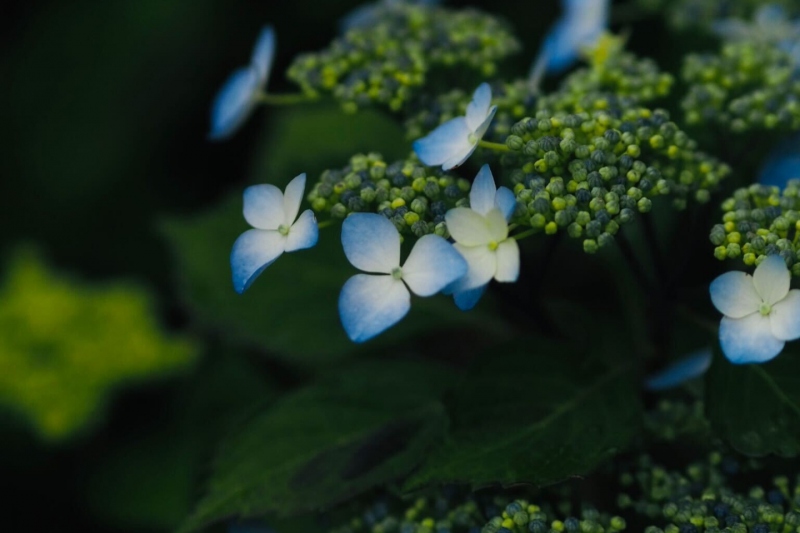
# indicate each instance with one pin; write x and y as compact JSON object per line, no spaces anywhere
{"x":234,"y":103}
{"x":506,"y":202}
{"x":371,"y":304}
{"x":252,"y":252}
{"x":681,"y":371}
{"x":466,"y":300}
{"x":783,"y":164}
{"x":263,"y":54}
{"x":371,"y":242}
{"x":432,"y":265}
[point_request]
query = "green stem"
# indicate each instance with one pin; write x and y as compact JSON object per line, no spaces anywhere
{"x":497,"y":147}
{"x":325,"y":223}
{"x":284,"y":99}
{"x":524,"y":234}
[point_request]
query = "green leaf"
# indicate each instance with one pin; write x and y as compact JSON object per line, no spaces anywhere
{"x":756,"y":408}
{"x":535,"y":414}
{"x":362,"y":428}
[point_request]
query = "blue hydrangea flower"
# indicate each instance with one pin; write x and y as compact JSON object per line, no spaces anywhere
{"x":771,"y":24}
{"x":277,"y":229}
{"x":481,"y":235}
{"x":371,"y":303}
{"x":581,"y":24}
{"x":761,"y":313}
{"x":239,"y":95}
{"x":783,"y":164}
{"x":367,"y":15}
{"x":453,"y":142}
{"x":687,"y":368}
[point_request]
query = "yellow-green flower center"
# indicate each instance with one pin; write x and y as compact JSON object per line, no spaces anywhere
{"x":493,"y":245}
{"x":397,"y":273}
{"x":765,"y":309}
{"x":283,"y":229}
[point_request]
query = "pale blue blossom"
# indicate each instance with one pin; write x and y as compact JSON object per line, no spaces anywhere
{"x":771,"y":24}
{"x":453,"y":142}
{"x":761,"y":312}
{"x":581,"y":24}
{"x":685,"y":369}
{"x":783,"y":163}
{"x":239,"y":95}
{"x":277,"y":229}
{"x":481,"y":235}
{"x":369,"y":14}
{"x":371,"y":303}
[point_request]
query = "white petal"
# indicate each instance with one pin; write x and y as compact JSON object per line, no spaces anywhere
{"x":263,"y":206}
{"x":369,"y":305}
{"x":448,"y":141}
{"x":483,"y":192}
{"x":466,"y":300}
{"x":233,"y":103}
{"x":507,"y":261}
{"x":263,"y":54}
{"x":468,"y":227}
{"x":432,"y":265}
{"x":293,"y":197}
{"x":772,"y":279}
{"x":734,"y":295}
{"x":482,"y":264}
{"x":478,"y":108}
{"x":506,"y":202}
{"x":785,"y":317}
{"x":371,"y":243}
{"x":681,"y":371}
{"x":252,"y":252}
{"x":498,"y":226}
{"x":481,"y":130}
{"x":749,"y":339}
{"x":304,"y":233}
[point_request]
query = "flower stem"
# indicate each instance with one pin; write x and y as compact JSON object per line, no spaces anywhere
{"x":284,"y":99}
{"x":497,"y":147}
{"x":325,"y":223}
{"x":524,"y":234}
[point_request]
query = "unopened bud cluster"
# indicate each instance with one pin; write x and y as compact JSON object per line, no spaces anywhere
{"x":414,"y":197}
{"x":676,"y":420}
{"x":692,"y":14}
{"x":759,"y":221}
{"x":384,"y":62}
{"x":589,"y":173}
{"x":748,"y":85}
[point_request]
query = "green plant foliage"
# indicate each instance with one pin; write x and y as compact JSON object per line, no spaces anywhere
{"x":364,"y":427}
{"x":534,"y":413}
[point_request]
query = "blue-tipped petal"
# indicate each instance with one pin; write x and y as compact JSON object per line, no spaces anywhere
{"x":581,"y":24}
{"x":466,"y":300}
{"x":234,"y":103}
{"x":450,"y":141}
{"x":264,"y":54}
{"x":785,"y":317}
{"x":506,"y":201}
{"x":478,"y":108}
{"x":263,"y":206}
{"x":371,"y":243}
{"x":304,"y":233}
{"x":252,"y":252}
{"x":681,"y":371}
{"x":783,"y":164}
{"x":432,"y":265}
{"x":749,"y":339}
{"x":482,"y":196}
{"x":371,"y":304}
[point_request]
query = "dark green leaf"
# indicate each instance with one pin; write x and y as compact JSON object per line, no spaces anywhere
{"x":535,"y":414}
{"x":756,"y":407}
{"x":369,"y":425}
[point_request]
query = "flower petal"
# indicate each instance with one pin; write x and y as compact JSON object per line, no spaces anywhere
{"x":783,"y":163}
{"x":458,"y":159}
{"x":483,"y":192}
{"x":233,"y":103}
{"x":482,"y":263}
{"x":252,"y":252}
{"x":263,"y":206}
{"x":432,"y":265}
{"x":371,"y":243}
{"x":304,"y":233}
{"x":498,"y":226}
{"x":370,"y":304}
{"x":772,"y":279}
{"x":734,"y":295}
{"x":478,"y":108}
{"x":448,"y":141}
{"x":293,"y":197}
{"x":749,"y":339}
{"x":466,"y":300}
{"x":468,"y":227}
{"x":507,"y":261}
{"x":506,"y":202}
{"x":785,"y":317}
{"x":481,"y":131}
{"x":684,"y":369}
{"x":263,"y":54}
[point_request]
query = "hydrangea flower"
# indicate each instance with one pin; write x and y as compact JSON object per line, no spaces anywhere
{"x":371,"y":303}
{"x":239,"y":95}
{"x":581,"y":24}
{"x":277,"y":229}
{"x":761,"y":313}
{"x":687,"y":368}
{"x":481,"y":235}
{"x":771,"y":24}
{"x":453,"y":142}
{"x":783,"y":164}
{"x":369,"y":14}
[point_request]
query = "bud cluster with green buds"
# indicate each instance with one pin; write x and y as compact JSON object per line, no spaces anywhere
{"x":414,"y":197}
{"x":689,"y":14}
{"x":748,"y":85}
{"x":384,"y":62}
{"x":589,"y":173}
{"x":759,"y":221}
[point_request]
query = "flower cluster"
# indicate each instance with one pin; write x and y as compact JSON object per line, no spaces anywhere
{"x":384,"y":62}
